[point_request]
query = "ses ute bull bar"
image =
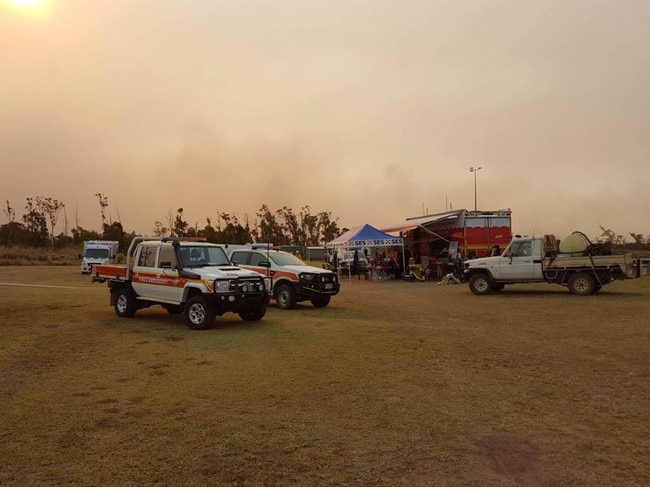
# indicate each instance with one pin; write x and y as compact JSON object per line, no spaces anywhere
{"x":319,"y":283}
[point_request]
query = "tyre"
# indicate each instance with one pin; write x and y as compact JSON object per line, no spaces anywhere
{"x":321,"y":301}
{"x":582,"y":284}
{"x":286,"y":297}
{"x":480,"y":284}
{"x":199,"y":314}
{"x":125,"y":303}
{"x":253,"y":313}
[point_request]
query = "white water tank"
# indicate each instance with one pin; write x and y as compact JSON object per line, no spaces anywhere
{"x":575,"y":243}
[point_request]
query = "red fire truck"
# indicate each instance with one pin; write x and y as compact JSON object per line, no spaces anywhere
{"x":459,"y":233}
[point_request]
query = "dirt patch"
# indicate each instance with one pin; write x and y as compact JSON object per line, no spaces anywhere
{"x":509,"y":458}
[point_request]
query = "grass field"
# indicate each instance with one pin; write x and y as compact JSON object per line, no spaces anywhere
{"x":13,"y":256}
{"x":394,"y":384}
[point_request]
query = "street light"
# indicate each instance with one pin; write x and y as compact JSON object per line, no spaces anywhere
{"x":475,"y":170}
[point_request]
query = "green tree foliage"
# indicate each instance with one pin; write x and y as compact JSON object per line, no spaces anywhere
{"x":14,"y":233}
{"x":269,"y":230}
{"x":35,"y":223}
{"x":305,"y":228}
{"x":10,"y":232}
{"x":50,"y":207}
{"x":309,"y":227}
{"x":610,"y":237}
{"x":638,"y":238}
{"x":233,"y":231}
{"x":103,"y":204}
{"x":209,"y":232}
{"x":285,"y":227}
{"x":292,"y":227}
{"x":180,"y":225}
{"x":282,"y":227}
{"x":81,"y":235}
{"x":159,"y":230}
{"x":115,"y":232}
{"x":10,"y":213}
{"x":639,"y":241}
{"x":329,"y":229}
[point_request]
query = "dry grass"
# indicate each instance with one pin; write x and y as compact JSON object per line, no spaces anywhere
{"x":394,"y":384}
{"x":39,"y":256}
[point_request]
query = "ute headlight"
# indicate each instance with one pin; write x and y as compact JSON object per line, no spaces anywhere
{"x":307,"y":276}
{"x":221,"y":286}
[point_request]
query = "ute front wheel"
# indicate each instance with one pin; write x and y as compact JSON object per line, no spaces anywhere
{"x":480,"y":284}
{"x":125,"y":303}
{"x":286,"y":297}
{"x":582,"y":284}
{"x":199,"y":314}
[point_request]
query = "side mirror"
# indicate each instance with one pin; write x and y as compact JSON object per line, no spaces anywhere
{"x":264,"y":263}
{"x":166,"y":265}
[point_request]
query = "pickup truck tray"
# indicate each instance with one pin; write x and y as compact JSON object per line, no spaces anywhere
{"x":623,"y":262}
{"x":108,"y":271}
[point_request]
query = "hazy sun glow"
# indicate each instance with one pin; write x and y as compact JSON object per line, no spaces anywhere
{"x":29,"y":6}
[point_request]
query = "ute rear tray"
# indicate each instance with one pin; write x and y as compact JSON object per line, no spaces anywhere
{"x":110,"y":271}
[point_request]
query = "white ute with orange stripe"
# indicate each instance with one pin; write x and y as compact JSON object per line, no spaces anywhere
{"x":188,"y":276}
{"x":293,"y":280}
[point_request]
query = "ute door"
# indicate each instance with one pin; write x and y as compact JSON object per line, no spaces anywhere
{"x":153,"y":282}
{"x":241,"y":258}
{"x":145,"y":279}
{"x":171,"y":288}
{"x":261,"y":263}
{"x":155,"y":274}
{"x":518,"y":264}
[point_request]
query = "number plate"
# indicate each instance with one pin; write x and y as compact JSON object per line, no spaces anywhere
{"x":328,"y":286}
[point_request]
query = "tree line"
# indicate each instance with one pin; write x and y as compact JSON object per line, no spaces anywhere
{"x":284,"y":226}
{"x":280,"y":227}
{"x":39,"y":226}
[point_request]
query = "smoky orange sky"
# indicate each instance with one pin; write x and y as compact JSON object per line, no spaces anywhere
{"x":372,"y":110}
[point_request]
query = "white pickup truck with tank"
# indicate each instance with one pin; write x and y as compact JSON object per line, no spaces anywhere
{"x":584,"y":268}
{"x":186,"y":276}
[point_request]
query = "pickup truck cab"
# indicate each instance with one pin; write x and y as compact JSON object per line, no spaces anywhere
{"x":184,"y":276}
{"x":293,"y":280}
{"x":538,"y":259}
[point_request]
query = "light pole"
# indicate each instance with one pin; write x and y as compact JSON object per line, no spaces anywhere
{"x":475,"y":170}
